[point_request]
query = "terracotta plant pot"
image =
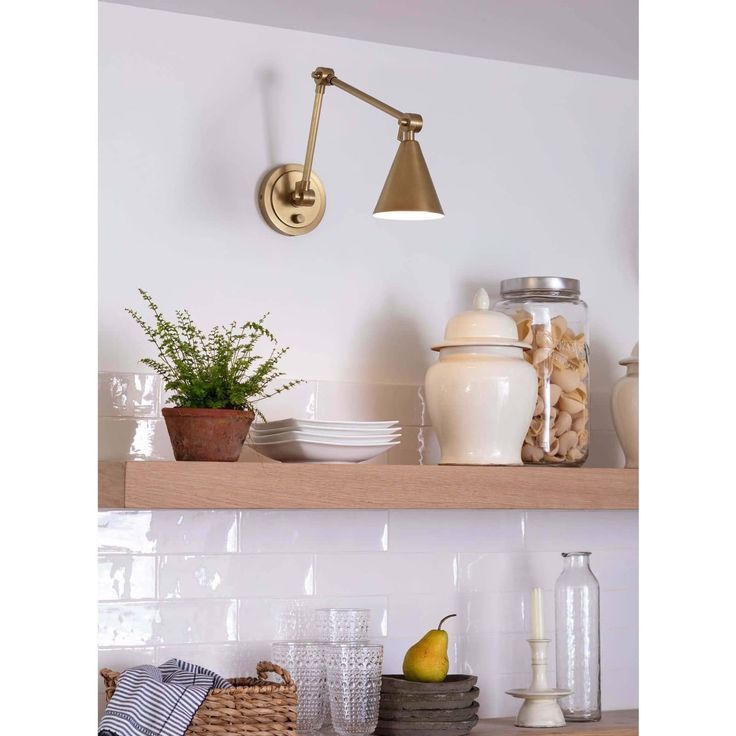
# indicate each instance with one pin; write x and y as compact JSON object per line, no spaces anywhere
{"x":214,"y":435}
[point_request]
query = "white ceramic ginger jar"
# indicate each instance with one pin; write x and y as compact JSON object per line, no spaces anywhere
{"x":625,"y":408}
{"x":481,"y":392}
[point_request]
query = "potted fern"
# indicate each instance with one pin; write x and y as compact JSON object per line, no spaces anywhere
{"x":215,"y":378}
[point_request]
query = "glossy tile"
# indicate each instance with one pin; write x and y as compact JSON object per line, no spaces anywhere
{"x":168,"y":531}
{"x":314,"y":531}
{"x":126,"y":577}
{"x":229,"y":660}
{"x":129,"y":395}
{"x":495,"y":571}
{"x":123,"y":438}
{"x":455,"y":530}
{"x":299,"y":402}
{"x":224,"y":576}
{"x":561,"y":531}
{"x":166,"y":622}
{"x":124,"y":532}
{"x":279,"y":619}
{"x":619,"y":688}
{"x":343,"y":401}
{"x":383,"y":573}
{"x":619,"y":609}
{"x":619,"y":648}
{"x":493,"y":612}
{"x":414,"y":615}
{"x":494,"y":652}
{"x":418,"y":446}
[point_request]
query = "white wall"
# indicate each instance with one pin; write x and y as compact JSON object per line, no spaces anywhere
{"x":535,"y":167}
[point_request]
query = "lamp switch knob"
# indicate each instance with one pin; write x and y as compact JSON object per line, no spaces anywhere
{"x":298,"y":218}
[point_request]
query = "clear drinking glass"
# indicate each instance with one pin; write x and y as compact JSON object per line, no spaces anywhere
{"x":305,"y":662}
{"x":354,"y":679}
{"x":578,"y":650}
{"x":342,"y":624}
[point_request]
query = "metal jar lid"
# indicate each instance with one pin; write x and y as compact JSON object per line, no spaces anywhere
{"x":540,"y":283}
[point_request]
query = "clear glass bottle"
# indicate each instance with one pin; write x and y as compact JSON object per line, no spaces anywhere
{"x":551,"y":316}
{"x":577,"y":645}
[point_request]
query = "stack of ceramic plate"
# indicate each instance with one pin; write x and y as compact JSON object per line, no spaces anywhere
{"x":316,"y":441}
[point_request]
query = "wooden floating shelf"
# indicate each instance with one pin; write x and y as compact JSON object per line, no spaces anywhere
{"x":254,"y":485}
{"x":613,"y":723}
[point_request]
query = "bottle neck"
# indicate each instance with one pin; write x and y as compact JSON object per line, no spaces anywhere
{"x":577,"y":561}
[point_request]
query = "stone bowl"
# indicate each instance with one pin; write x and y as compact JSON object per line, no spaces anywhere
{"x":451,"y":684}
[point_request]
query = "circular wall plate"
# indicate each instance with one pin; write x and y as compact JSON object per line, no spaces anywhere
{"x":274,"y":199}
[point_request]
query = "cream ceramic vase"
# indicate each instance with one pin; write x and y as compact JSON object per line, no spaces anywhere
{"x":625,"y":408}
{"x":481,"y":392}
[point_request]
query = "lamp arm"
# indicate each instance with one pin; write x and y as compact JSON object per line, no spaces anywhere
{"x":409,"y":124}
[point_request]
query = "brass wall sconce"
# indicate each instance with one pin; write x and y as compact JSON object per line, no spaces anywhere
{"x":292,"y":197}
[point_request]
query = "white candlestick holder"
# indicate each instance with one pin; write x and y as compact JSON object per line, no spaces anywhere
{"x":540,"y":708}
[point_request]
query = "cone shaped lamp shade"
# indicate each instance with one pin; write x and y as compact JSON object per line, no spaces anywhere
{"x":408,"y":193}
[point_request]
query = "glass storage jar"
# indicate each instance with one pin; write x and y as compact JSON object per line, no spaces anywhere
{"x":553,"y":319}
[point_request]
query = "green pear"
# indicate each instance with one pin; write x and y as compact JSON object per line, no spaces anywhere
{"x":426,"y":661}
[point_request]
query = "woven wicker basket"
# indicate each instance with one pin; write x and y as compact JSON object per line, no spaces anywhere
{"x":254,"y":706}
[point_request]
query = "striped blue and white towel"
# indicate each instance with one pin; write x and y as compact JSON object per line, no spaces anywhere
{"x":158,"y":701}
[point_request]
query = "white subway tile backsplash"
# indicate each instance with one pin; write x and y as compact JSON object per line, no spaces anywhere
{"x":619,"y":648}
{"x":567,"y":531}
{"x":299,"y":402}
{"x":493,"y":611}
{"x":229,"y":660}
{"x":494,"y":571}
{"x":314,"y":530}
{"x":414,"y":615}
{"x":168,"y":531}
{"x":366,"y":402}
{"x":216,"y":587}
{"x":166,"y":622}
{"x":455,"y":530}
{"x":126,"y":577}
{"x":129,"y":395}
{"x":127,"y":438}
{"x":385,"y":573}
{"x":224,"y":576}
{"x":619,"y":688}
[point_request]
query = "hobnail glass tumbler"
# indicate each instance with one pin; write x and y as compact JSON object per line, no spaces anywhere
{"x":305,"y":662}
{"x":342,"y":624}
{"x":578,"y":649}
{"x":354,"y":680}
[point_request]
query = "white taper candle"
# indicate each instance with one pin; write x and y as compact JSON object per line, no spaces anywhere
{"x":537,"y":614}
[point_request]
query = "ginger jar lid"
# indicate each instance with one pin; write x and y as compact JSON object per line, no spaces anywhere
{"x":633,"y":358}
{"x":481,"y":326}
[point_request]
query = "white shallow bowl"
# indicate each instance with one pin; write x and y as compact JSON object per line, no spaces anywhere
{"x":307,"y":451}
{"x":312,"y":424}
{"x":331,"y":437}
{"x":329,"y":432}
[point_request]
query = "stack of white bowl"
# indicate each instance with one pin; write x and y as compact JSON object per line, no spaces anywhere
{"x":317,"y":441}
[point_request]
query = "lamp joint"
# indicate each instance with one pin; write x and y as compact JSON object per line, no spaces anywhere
{"x":409,"y":124}
{"x":323,"y":75}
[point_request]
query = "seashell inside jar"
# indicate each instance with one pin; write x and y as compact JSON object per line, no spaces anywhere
{"x":551,"y":317}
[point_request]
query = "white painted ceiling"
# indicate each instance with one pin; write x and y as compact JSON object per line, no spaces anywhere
{"x":597,"y":36}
